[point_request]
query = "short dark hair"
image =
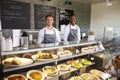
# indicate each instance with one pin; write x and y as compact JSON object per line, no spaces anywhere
{"x":72,"y":15}
{"x":49,"y":15}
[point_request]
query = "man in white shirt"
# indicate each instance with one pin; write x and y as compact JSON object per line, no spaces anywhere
{"x":49,"y":34}
{"x":72,"y":30}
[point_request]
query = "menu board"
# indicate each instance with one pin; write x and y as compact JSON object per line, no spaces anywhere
{"x":40,"y":13}
{"x":15,"y":15}
{"x":64,"y":16}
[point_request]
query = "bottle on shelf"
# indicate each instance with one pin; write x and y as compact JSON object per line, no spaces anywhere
{"x":30,"y":39}
{"x":24,"y":40}
{"x":9,"y":44}
{"x":3,"y":44}
{"x":91,"y":36}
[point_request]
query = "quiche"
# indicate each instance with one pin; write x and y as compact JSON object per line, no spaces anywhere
{"x":50,"y":70}
{"x":63,"y":67}
{"x":35,"y":75}
{"x":16,"y":77}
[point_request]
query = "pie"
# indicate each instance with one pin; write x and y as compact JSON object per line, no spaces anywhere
{"x":16,"y":77}
{"x":85,"y":75}
{"x":50,"y":70}
{"x":35,"y":75}
{"x":76,"y":78}
{"x":63,"y":67}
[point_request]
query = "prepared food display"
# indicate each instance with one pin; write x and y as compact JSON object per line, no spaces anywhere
{"x":44,"y":56}
{"x":65,"y":53}
{"x":85,"y":61}
{"x":74,"y":64}
{"x":50,"y":70}
{"x":88,"y":76}
{"x":53,"y":57}
{"x":17,"y":61}
{"x":96,"y":72}
{"x":93,"y":77}
{"x":71,"y":62}
{"x":79,"y":63}
{"x":63,"y":67}
{"x":16,"y":77}
{"x":35,"y":75}
{"x":89,"y":49}
{"x":85,"y":75}
{"x":76,"y":78}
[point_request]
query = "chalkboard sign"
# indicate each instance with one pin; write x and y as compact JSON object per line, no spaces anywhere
{"x":64,"y":16}
{"x":40,"y":13}
{"x":15,"y":15}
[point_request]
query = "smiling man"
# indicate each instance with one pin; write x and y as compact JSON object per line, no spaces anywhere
{"x":49,"y":34}
{"x":72,"y":30}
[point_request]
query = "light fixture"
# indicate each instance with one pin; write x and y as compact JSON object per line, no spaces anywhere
{"x":108,"y":3}
{"x":68,"y":3}
{"x":48,"y":0}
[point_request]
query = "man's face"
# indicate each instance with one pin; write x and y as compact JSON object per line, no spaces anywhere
{"x":72,"y":20}
{"x":49,"y":21}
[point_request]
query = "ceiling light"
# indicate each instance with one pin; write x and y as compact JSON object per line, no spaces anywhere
{"x":48,"y":0}
{"x":68,"y":3}
{"x":108,"y":3}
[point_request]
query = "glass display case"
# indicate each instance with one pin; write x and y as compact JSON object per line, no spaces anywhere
{"x":56,"y":61}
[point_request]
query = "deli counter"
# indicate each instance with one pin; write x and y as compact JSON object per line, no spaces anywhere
{"x":58,"y":61}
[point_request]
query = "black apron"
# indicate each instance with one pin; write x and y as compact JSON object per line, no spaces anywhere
{"x":73,"y":34}
{"x":49,"y":38}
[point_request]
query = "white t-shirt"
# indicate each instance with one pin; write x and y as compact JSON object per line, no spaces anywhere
{"x":47,"y":31}
{"x":67,"y":31}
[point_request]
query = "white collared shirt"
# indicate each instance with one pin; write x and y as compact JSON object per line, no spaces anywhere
{"x":67,"y":31}
{"x":47,"y":31}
